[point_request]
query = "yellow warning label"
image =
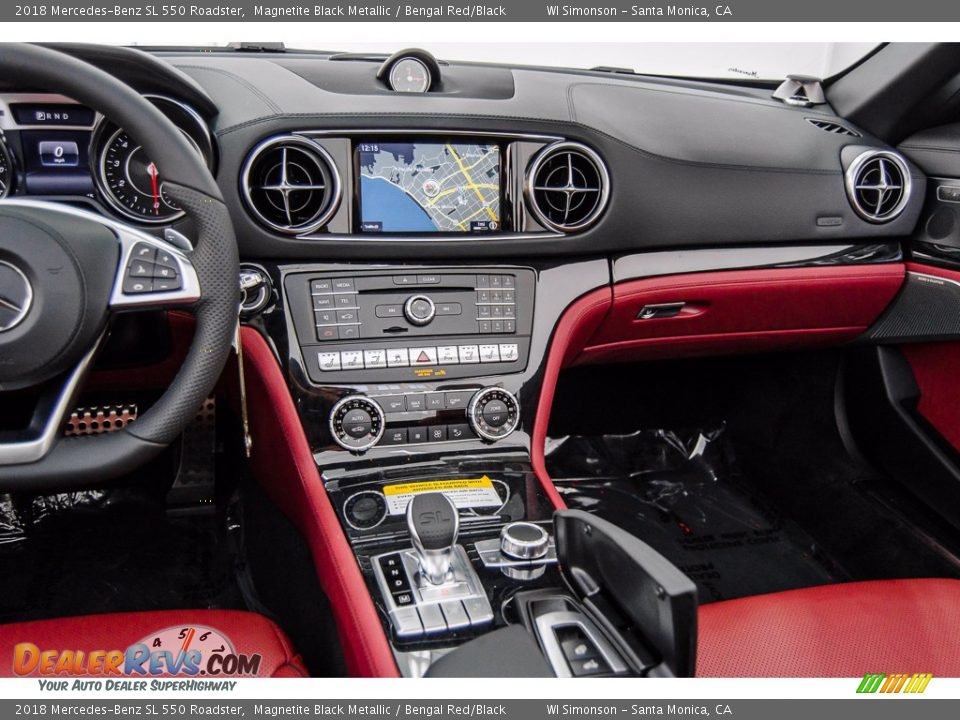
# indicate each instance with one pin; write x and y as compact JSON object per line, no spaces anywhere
{"x":438,"y":486}
{"x":464,"y":493}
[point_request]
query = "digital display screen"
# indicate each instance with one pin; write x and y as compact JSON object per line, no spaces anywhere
{"x":429,"y":187}
{"x":56,"y":162}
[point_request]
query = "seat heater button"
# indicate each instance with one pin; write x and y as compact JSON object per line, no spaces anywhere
{"x":432,"y":619}
{"x":509,"y":353}
{"x":374,"y":359}
{"x":351,"y":360}
{"x":447,"y":355}
{"x":329,"y":361}
{"x":455,"y":615}
{"x":398,"y":357}
{"x":478,"y":610}
{"x":423,"y":356}
{"x":469,"y":354}
{"x":406,"y":622}
{"x":489,"y":353}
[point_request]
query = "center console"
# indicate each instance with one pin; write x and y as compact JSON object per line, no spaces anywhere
{"x":417,"y":388}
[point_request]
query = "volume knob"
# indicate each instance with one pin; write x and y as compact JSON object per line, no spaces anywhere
{"x":524,"y":541}
{"x":419,"y":310}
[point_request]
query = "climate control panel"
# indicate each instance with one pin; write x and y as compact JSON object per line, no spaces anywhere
{"x":360,"y":422}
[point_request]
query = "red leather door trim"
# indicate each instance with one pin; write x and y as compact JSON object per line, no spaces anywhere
{"x":284,"y":465}
{"x":744,"y":311}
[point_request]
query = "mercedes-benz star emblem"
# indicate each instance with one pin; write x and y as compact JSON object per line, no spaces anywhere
{"x":16,"y":296}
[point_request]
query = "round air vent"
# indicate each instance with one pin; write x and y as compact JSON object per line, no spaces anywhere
{"x":291,"y":184}
{"x":567,"y":187}
{"x":878,"y":185}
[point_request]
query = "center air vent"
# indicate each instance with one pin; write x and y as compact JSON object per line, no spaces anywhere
{"x":878,"y":185}
{"x":291,"y":184}
{"x":567,"y":187}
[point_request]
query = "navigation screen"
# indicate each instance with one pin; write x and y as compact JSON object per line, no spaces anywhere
{"x":416,"y":187}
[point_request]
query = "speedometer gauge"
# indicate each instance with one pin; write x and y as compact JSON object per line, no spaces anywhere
{"x":132,"y":181}
{"x":129,"y":181}
{"x":6,"y":170}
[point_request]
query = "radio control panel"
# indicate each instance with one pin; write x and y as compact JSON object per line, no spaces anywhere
{"x":378,"y":326}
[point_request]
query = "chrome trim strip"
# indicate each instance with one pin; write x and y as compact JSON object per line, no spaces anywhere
{"x":530,"y":178}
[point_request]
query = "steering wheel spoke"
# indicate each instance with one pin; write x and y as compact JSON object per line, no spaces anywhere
{"x":50,"y":412}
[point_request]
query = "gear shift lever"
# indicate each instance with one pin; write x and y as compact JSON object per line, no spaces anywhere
{"x":434,"y":524}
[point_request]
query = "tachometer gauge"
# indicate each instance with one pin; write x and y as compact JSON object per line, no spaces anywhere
{"x":6,"y":170}
{"x":132,"y":182}
{"x":129,"y":181}
{"x":410,"y":75}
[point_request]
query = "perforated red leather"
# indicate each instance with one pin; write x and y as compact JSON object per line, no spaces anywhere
{"x":249,"y":633}
{"x":845,"y":630}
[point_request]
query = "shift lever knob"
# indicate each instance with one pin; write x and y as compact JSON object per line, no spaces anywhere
{"x":434,"y":525}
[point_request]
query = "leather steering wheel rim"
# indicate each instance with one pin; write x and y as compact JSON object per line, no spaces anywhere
{"x":79,"y":462}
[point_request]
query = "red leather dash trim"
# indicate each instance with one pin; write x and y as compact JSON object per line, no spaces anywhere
{"x":284,"y":465}
{"x":744,"y":310}
{"x":577,"y":324}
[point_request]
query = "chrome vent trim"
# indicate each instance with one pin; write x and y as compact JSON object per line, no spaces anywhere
{"x":567,"y":187}
{"x":291,"y":184}
{"x":878,"y":185}
{"x":832,"y":127}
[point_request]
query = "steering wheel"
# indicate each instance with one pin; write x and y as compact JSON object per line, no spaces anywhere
{"x":65,"y":272}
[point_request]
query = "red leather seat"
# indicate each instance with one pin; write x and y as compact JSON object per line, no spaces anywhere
{"x":204,"y":630}
{"x":844,"y":630}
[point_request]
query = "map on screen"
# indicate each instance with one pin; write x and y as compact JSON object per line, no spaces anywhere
{"x":429,"y":187}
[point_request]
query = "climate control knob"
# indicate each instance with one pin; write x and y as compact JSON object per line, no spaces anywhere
{"x":357,"y":423}
{"x":493,"y":413}
{"x":419,"y":310}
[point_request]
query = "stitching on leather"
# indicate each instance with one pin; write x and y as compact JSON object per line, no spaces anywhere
{"x":241,"y":80}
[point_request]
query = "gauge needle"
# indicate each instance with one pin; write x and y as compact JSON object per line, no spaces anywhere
{"x":152,"y":169}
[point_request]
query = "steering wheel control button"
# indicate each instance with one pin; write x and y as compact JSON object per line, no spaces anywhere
{"x":419,"y":310}
{"x":136,"y":286}
{"x":524,"y":541}
{"x":357,"y":423}
{"x":493,"y":413}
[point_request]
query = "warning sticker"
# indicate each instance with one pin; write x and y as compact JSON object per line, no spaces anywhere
{"x":465,"y":493}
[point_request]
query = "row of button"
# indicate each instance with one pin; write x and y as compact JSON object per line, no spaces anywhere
{"x":424,"y":434}
{"x":151,"y":270}
{"x":335,"y":308}
{"x":451,"y":400}
{"x":496,"y":281}
{"x":417,"y":356}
